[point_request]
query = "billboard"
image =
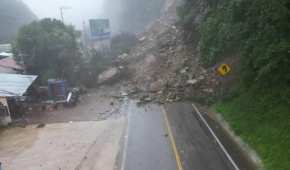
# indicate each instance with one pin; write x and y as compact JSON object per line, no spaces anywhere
{"x":100,"y":29}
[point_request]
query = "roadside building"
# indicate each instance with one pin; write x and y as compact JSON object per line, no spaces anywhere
{"x":5,"y":55}
{"x":9,"y":65}
{"x":7,"y":61}
{"x":5,"y":48}
{"x":12,"y":85}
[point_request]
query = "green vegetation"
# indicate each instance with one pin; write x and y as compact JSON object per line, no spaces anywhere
{"x":256,"y":29}
{"x":262,"y":120}
{"x":13,"y":15}
{"x":258,"y":32}
{"x":48,"y":48}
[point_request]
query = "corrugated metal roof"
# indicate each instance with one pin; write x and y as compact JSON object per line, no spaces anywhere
{"x":5,"y":47}
{"x":5,"y":54}
{"x":15,"y":84}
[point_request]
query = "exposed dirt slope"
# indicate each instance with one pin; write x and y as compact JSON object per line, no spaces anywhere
{"x":167,"y":69}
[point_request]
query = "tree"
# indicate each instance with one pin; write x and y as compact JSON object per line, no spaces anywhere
{"x":48,"y":48}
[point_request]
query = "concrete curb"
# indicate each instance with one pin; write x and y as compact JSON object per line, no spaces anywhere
{"x":224,"y":127}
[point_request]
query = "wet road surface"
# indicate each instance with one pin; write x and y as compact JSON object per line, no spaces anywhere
{"x":198,"y":149}
{"x":96,"y":105}
{"x":148,"y":145}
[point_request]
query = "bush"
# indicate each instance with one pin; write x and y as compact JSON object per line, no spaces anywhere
{"x":258,"y":30}
{"x":263,"y":123}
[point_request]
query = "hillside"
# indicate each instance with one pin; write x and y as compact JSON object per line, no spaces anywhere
{"x":178,"y":62}
{"x":166,"y":67}
{"x":13,"y":14}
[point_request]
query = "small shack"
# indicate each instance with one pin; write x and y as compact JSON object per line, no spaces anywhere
{"x":9,"y":65}
{"x":5,"y":48}
{"x":12,"y":85}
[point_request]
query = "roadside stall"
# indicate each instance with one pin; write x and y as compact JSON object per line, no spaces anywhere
{"x":12,"y":86}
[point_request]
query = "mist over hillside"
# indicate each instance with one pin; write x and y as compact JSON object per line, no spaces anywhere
{"x":131,"y":15}
{"x":13,"y":14}
{"x":125,"y":15}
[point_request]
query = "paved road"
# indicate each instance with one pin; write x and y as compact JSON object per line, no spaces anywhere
{"x":198,"y":149}
{"x":148,"y":144}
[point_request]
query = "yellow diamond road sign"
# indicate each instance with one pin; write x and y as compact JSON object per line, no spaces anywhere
{"x":224,"y":69}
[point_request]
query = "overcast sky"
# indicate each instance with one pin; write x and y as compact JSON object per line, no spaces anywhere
{"x":81,"y":10}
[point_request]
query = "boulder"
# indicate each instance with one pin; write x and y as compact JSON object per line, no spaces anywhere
{"x":192,"y":82}
{"x":108,"y":75}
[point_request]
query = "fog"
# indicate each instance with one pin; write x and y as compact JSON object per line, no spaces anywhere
{"x":80,"y":10}
{"x":125,"y":15}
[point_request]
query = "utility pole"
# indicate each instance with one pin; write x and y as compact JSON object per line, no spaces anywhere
{"x":61,"y":9}
{"x":61,"y":14}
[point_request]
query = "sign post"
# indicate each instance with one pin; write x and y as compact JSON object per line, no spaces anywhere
{"x":100,"y":34}
{"x":100,"y":29}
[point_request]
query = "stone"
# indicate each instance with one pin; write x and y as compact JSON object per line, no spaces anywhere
{"x":201,"y":77}
{"x":160,"y":92}
{"x":192,"y":82}
{"x":148,"y":99}
{"x":123,"y":56}
{"x":142,"y":39}
{"x":124,"y":94}
{"x":184,"y":70}
{"x":108,"y":75}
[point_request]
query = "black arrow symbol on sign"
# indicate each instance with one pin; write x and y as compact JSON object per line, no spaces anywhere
{"x":225,"y":68}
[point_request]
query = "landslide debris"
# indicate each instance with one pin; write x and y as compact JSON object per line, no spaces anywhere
{"x":166,"y":68}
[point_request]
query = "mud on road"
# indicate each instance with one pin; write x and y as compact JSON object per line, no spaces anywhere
{"x":97,"y":104}
{"x":83,"y":138}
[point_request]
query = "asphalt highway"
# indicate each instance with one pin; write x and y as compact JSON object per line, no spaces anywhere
{"x":169,"y":137}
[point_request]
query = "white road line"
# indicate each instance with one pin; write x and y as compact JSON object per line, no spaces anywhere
{"x":124,"y":155}
{"x":216,"y":138}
